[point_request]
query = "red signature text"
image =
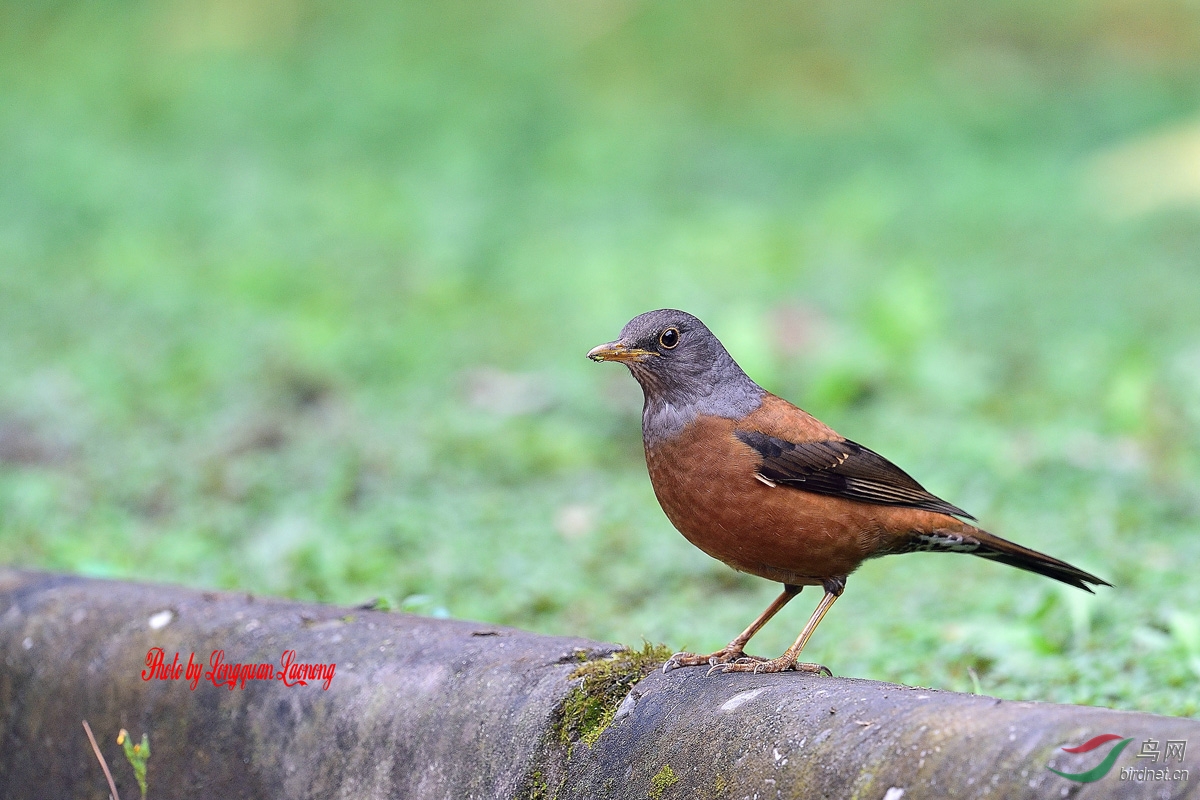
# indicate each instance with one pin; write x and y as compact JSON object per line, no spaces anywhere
{"x":290,"y":671}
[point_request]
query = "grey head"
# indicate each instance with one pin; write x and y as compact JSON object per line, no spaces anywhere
{"x":683,"y":369}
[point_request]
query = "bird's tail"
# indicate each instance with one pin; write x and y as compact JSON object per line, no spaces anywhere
{"x":964,"y":538}
{"x":1006,"y":552}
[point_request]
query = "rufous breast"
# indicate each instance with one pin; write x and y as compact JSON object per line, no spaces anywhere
{"x":705,"y":480}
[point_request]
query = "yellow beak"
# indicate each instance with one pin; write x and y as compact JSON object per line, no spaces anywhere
{"x":615,"y":351}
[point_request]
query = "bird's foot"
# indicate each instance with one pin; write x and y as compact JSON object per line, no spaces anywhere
{"x":722,"y":657}
{"x":781,"y":664}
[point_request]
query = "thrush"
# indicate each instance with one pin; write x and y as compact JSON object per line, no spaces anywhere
{"x":768,"y":489}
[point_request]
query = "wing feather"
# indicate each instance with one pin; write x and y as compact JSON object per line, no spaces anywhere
{"x":842,"y":468}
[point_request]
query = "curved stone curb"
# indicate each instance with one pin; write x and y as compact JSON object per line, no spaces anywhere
{"x":421,"y":708}
{"x":417,"y":707}
{"x":803,"y":736}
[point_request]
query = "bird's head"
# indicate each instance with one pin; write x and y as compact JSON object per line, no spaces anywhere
{"x":680,"y":364}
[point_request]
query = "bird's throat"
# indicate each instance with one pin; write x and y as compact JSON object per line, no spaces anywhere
{"x":664,"y":418}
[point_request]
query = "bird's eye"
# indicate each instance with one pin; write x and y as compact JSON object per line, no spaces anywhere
{"x":669,"y":338}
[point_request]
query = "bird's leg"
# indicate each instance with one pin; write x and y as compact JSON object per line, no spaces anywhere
{"x":833,"y":589}
{"x":735,"y":649}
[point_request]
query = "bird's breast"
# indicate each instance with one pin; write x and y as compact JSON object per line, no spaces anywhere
{"x":704,"y":478}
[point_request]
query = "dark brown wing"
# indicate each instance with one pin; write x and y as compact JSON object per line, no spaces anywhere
{"x":842,"y":469}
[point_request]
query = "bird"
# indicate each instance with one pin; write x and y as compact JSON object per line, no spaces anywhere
{"x":766,"y":488}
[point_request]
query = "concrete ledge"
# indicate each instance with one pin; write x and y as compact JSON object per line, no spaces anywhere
{"x":420,"y":708}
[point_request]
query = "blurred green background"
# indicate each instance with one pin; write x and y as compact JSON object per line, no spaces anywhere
{"x":294,"y":298}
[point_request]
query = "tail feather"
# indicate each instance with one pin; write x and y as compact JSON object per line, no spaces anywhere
{"x":969,"y":539}
{"x":1006,"y":552}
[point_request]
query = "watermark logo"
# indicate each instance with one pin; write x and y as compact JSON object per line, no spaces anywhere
{"x":1100,"y":770}
{"x":1173,"y":751}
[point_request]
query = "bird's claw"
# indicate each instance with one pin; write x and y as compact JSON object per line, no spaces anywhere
{"x":753,"y":665}
{"x":730,"y":659}
{"x":720,"y":666}
{"x":683,"y":659}
{"x":781,"y":664}
{"x":712,"y":660}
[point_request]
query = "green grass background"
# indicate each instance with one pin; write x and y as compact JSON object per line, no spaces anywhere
{"x":294,"y":298}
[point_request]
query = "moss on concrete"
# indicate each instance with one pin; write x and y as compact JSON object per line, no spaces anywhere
{"x":538,"y":788}
{"x":603,"y":684}
{"x":663,"y":780}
